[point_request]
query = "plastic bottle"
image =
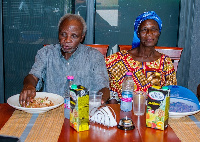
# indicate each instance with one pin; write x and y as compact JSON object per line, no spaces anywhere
{"x":70,"y":81}
{"x":127,"y":93}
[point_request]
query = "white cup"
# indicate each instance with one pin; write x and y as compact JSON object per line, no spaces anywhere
{"x":139,"y":102}
{"x":94,"y":101}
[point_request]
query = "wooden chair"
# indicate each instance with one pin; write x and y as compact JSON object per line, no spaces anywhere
{"x":173,"y":52}
{"x":102,"y":48}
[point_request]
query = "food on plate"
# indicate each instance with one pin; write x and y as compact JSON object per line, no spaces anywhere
{"x":40,"y":102}
{"x":180,"y":107}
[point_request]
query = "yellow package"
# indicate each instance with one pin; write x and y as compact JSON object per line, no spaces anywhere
{"x":157,"y":112}
{"x":79,"y":108}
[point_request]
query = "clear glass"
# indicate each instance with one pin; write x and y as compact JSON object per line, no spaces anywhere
{"x":27,"y":26}
{"x":139,"y":102}
{"x":80,"y":8}
{"x":114,"y":21}
{"x":94,"y":101}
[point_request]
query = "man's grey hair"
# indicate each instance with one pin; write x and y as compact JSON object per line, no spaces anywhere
{"x":74,"y":17}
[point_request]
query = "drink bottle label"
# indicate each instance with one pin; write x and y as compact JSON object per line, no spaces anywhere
{"x":67,"y":103}
{"x":127,"y":96}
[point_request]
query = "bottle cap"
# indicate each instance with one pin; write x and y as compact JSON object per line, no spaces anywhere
{"x":74,"y":86}
{"x":165,"y":88}
{"x":129,"y":73}
{"x":70,"y":77}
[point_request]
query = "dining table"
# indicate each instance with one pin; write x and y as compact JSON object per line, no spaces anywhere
{"x":53,"y":126}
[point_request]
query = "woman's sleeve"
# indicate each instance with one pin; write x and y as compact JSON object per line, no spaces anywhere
{"x":170,"y":72}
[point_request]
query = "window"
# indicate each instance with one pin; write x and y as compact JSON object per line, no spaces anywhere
{"x":29,"y":24}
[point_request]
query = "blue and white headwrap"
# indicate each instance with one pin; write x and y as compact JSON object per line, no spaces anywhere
{"x":144,"y":16}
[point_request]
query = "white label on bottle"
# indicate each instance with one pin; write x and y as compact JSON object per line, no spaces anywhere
{"x":156,"y":95}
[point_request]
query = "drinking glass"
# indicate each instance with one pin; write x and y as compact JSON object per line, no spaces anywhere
{"x":94,"y":101}
{"x":139,"y":102}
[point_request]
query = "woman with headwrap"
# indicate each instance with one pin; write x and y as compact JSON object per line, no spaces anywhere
{"x":149,"y":67}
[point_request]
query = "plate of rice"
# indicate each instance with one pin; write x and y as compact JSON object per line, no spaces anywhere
{"x":42,"y":102}
{"x":183,"y":102}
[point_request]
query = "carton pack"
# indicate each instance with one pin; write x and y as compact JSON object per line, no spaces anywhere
{"x":157,"y":112}
{"x":79,"y":108}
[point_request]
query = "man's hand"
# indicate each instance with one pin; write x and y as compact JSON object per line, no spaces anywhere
{"x":27,"y":95}
{"x":28,"y":92}
{"x":106,"y":95}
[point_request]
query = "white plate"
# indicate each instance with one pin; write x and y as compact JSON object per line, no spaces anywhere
{"x":56,"y":99}
{"x":179,"y":115}
{"x":183,"y":114}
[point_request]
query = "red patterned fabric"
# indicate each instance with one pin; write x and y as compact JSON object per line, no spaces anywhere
{"x":145,"y":74}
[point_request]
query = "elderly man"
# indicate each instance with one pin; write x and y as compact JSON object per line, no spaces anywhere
{"x":54,"y":62}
